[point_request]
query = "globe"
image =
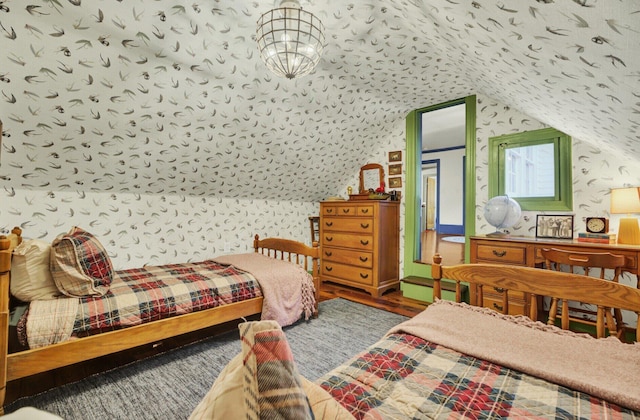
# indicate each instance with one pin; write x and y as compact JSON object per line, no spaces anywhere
{"x":502,"y":212}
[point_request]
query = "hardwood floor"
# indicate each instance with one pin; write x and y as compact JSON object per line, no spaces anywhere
{"x":392,"y":301}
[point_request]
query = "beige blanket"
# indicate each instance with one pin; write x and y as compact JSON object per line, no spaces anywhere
{"x":287,"y":288}
{"x":605,"y":368}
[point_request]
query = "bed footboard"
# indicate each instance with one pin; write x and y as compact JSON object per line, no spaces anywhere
{"x":308,"y":257}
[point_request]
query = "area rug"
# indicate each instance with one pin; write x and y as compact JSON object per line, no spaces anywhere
{"x":170,"y":385}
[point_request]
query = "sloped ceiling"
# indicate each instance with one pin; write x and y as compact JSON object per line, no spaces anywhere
{"x":166,"y":96}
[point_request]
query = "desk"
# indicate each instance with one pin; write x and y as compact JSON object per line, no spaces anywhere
{"x":525,"y":251}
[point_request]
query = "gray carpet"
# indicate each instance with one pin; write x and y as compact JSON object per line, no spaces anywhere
{"x":170,"y":385}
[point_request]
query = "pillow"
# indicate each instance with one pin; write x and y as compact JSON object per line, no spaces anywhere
{"x":80,"y":265}
{"x":30,"y":275}
{"x":261,"y":382}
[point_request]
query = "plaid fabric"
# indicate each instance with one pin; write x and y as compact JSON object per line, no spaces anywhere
{"x":150,"y":293}
{"x":272,"y":385}
{"x":405,"y":377}
{"x":80,"y":266}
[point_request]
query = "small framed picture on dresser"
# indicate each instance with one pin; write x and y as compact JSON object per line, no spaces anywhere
{"x":554,"y":226}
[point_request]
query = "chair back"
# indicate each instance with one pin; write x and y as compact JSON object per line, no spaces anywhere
{"x":558,"y":259}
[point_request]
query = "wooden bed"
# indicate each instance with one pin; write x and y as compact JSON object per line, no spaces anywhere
{"x":30,"y":362}
{"x":454,"y":360}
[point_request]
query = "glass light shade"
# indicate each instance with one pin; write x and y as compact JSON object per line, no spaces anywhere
{"x":627,"y":201}
{"x":290,"y":40}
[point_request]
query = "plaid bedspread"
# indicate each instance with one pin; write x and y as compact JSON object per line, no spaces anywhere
{"x":154,"y":292}
{"x":406,"y":377}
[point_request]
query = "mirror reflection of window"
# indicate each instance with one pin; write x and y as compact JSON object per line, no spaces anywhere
{"x":530,"y":171}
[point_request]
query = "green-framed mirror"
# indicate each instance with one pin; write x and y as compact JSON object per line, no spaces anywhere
{"x":413,"y":266}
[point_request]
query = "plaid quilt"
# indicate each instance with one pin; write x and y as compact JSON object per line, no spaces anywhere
{"x":406,"y":377}
{"x":150,"y":293}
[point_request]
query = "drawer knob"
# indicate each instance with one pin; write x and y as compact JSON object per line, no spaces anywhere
{"x":364,"y":276}
{"x":365,"y":211}
{"x":329,"y":268}
{"x":499,"y":253}
{"x":346,"y":211}
{"x":328,"y":238}
{"x":364,"y":259}
{"x":498,"y":307}
{"x":364,"y":225}
{"x":328,"y":223}
{"x":328,"y":253}
{"x":499,"y":289}
{"x":363,"y":242}
{"x":329,"y":210}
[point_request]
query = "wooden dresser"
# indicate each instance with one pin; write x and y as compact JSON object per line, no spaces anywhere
{"x":526,"y":251}
{"x":359,"y":242}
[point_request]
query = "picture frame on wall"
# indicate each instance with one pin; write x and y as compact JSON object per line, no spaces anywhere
{"x":395,"y":182}
{"x":555,"y":226}
{"x":395,"y":156}
{"x":395,"y":169}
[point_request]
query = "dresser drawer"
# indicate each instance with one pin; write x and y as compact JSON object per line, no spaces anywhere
{"x":347,"y":256}
{"x":347,"y":240}
{"x":348,"y":224}
{"x":346,"y":272}
{"x":501,"y":254}
{"x":495,"y":303}
{"x":366,"y":210}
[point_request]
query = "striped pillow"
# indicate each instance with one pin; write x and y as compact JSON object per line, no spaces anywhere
{"x":80,"y":265}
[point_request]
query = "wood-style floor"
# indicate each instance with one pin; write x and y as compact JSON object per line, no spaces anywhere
{"x":392,"y":301}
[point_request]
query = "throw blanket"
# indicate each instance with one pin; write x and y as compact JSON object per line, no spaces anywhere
{"x":287,"y":288}
{"x":605,"y":368}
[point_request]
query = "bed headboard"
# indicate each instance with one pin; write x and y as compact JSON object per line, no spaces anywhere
{"x":566,"y":286}
{"x":7,"y":243}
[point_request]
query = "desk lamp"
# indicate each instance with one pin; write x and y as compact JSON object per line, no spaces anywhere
{"x":627,"y":201}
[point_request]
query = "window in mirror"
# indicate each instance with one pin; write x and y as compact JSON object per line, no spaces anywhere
{"x":533,"y":168}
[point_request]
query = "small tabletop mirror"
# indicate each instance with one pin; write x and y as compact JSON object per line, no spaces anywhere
{"x":371,"y":177}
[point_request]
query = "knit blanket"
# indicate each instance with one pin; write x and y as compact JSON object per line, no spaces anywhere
{"x":287,"y":289}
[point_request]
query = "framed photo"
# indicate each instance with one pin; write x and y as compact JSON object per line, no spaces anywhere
{"x":395,"y":169}
{"x":395,"y":182}
{"x":554,"y":226}
{"x":395,"y":156}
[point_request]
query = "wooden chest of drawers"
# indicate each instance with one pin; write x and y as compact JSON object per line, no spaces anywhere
{"x":359,"y":242}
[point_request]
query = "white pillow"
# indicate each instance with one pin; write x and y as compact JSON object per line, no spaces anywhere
{"x":30,"y":275}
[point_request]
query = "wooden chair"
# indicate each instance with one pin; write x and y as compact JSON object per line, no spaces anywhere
{"x":560,"y":260}
{"x":314,"y":224}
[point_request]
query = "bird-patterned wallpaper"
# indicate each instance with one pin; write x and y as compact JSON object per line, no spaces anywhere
{"x":159,"y":104}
